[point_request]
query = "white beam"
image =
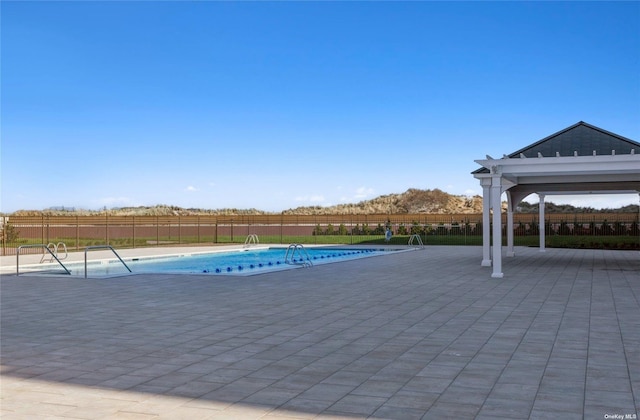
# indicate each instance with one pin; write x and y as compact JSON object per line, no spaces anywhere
{"x":613,"y":164}
{"x":574,"y":178}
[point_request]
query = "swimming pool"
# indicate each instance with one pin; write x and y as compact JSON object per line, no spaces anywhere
{"x":241,"y":262}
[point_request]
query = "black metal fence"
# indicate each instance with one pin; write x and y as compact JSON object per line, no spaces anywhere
{"x":594,"y":230}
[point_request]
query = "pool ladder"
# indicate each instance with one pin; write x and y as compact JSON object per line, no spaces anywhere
{"x":417,"y":238}
{"x":251,"y":239}
{"x":45,"y":248}
{"x":54,"y":252}
{"x":297,"y":250}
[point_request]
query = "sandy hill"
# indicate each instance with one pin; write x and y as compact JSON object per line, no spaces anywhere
{"x":412,"y":201}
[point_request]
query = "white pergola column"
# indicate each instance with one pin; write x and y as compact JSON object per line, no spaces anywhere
{"x":486,"y":222}
{"x":510,"y":250}
{"x":496,"y":192}
{"x":541,"y":223}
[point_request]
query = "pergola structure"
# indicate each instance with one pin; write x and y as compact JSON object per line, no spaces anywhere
{"x":581,"y":159}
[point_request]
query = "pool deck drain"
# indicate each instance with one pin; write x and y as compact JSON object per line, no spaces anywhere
{"x":425,"y":334}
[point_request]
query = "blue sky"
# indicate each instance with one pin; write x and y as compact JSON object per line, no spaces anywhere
{"x":275,"y":105}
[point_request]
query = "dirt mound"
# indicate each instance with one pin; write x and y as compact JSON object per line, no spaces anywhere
{"x":411,"y":201}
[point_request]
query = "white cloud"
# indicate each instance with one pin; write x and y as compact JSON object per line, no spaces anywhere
{"x":363,"y":192}
{"x":191,"y":188}
{"x":311,"y":198}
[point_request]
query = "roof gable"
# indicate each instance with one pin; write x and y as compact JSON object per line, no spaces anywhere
{"x":581,"y":139}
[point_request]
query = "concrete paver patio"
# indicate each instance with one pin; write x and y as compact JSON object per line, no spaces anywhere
{"x":424,"y":334}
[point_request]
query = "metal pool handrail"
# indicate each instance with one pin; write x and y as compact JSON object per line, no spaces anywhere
{"x":416,"y":237}
{"x":36,"y":246}
{"x":300,"y":249}
{"x":101,"y":247}
{"x":251,"y":239}
{"x":55,"y":250}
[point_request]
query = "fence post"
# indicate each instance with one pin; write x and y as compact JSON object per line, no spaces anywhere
{"x":464,"y":227}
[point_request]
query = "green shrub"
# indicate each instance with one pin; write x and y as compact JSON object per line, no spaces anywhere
{"x":330,"y":230}
{"x":9,"y":233}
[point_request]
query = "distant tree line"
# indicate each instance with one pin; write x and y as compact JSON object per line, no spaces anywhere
{"x":551,"y":207}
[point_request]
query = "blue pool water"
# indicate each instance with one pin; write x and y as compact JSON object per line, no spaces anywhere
{"x":239,"y":262}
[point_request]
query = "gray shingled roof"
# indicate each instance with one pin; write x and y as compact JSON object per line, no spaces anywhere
{"x":582,"y":138}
